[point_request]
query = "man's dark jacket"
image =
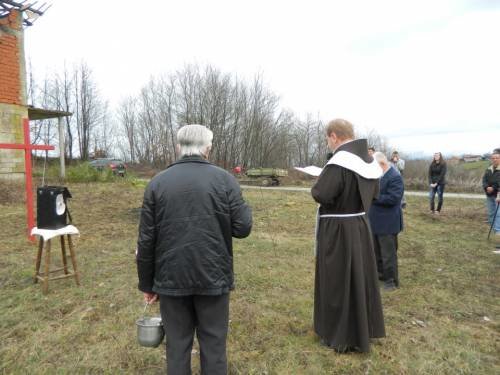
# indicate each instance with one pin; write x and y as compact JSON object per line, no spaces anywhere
{"x":492,"y":178}
{"x":385,"y":213}
{"x":189,"y":215}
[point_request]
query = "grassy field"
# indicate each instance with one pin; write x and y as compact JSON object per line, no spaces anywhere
{"x":443,"y":320}
{"x":479,"y":165}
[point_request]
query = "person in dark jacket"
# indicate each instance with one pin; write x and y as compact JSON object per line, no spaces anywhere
{"x":399,"y":165}
{"x":189,"y":215}
{"x":386,"y":220}
{"x":491,"y":186}
{"x":437,"y":181}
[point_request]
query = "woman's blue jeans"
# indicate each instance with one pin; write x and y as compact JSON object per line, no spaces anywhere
{"x":439,"y":189}
{"x":492,"y":207}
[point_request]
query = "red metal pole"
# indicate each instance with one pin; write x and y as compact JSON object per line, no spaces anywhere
{"x":29,"y":185}
{"x":27,"y":147}
{"x":13,"y":146}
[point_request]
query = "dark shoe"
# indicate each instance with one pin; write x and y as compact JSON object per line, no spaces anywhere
{"x":390,"y":286}
{"x":340,"y":349}
{"x":347,"y":349}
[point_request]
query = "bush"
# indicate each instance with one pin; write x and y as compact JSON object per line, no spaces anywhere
{"x":460,"y":177}
{"x":77,"y":173}
{"x":85,"y":173}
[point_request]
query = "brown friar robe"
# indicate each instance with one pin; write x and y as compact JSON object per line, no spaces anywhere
{"x":347,"y":304}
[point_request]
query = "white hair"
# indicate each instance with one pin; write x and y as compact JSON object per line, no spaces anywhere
{"x":194,"y":140}
{"x":380,"y":158}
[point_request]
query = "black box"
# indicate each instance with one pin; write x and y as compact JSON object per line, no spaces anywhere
{"x":52,"y":211}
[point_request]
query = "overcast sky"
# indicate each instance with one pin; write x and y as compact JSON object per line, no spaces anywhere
{"x":425,"y":74}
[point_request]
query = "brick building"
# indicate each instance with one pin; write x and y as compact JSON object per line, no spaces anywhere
{"x":13,"y":106}
{"x":14,"y":16}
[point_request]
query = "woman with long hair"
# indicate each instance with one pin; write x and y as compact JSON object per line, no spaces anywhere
{"x":437,"y":181}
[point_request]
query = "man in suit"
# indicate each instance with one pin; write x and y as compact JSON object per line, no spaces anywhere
{"x":386,"y":221}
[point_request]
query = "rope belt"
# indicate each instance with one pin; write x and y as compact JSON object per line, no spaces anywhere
{"x":343,"y":215}
{"x":318,"y":216}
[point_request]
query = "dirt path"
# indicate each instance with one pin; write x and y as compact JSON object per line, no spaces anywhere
{"x":411,"y":193}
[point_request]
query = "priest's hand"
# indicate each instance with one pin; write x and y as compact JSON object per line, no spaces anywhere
{"x":150,"y":298}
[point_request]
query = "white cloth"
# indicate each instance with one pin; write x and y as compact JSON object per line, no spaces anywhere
{"x":354,"y":163}
{"x":47,"y":234}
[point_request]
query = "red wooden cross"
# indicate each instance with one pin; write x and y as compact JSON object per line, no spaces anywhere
{"x":27,"y":147}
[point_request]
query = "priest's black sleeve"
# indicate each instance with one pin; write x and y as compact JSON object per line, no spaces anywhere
{"x":329,"y":185}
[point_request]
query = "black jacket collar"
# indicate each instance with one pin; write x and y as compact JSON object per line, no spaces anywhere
{"x":191,"y":159}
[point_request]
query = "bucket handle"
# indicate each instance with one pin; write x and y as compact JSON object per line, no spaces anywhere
{"x":144,"y":311}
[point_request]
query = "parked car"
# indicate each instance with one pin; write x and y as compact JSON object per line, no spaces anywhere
{"x":117,"y":166}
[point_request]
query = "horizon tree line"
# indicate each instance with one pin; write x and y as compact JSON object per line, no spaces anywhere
{"x":250,"y":127}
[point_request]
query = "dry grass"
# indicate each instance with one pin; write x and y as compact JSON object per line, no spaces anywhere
{"x":11,"y":192}
{"x":435,"y":321}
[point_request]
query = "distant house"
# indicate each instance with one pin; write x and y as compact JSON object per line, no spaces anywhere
{"x":472,"y":158}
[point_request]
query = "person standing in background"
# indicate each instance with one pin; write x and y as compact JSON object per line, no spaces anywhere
{"x":437,"y":181}
{"x":399,"y":165}
{"x":386,"y":219}
{"x":491,"y":186}
{"x":397,"y":162}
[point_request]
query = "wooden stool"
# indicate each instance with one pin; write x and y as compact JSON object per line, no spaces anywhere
{"x":46,"y":236}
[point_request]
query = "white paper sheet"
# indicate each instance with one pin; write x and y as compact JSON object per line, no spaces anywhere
{"x":310,"y":170}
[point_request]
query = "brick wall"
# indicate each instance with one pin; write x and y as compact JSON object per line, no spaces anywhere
{"x":11,"y":59}
{"x":12,"y":94}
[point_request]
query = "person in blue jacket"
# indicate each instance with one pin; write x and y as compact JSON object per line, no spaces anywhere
{"x":386,"y":219}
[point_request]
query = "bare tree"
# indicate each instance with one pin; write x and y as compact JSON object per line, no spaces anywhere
{"x":375,"y":140}
{"x":127,"y":116}
{"x":88,"y":107}
{"x":66,"y":103}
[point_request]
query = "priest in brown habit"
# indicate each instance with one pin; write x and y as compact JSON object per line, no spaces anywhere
{"x":347,"y":305}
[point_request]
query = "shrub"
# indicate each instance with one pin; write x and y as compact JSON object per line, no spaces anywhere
{"x":83,"y":172}
{"x":460,"y":177}
{"x":80,"y":172}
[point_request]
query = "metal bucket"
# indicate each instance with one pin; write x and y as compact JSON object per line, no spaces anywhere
{"x":150,"y":331}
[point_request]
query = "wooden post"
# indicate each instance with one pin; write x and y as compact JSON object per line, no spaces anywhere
{"x":73,"y":259}
{"x":63,"y":251}
{"x":38,"y":260}
{"x":45,"y":288}
{"x":61,"y":148}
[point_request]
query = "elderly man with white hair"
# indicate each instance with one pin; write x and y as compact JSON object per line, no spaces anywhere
{"x":189,"y":215}
{"x":386,"y":219}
